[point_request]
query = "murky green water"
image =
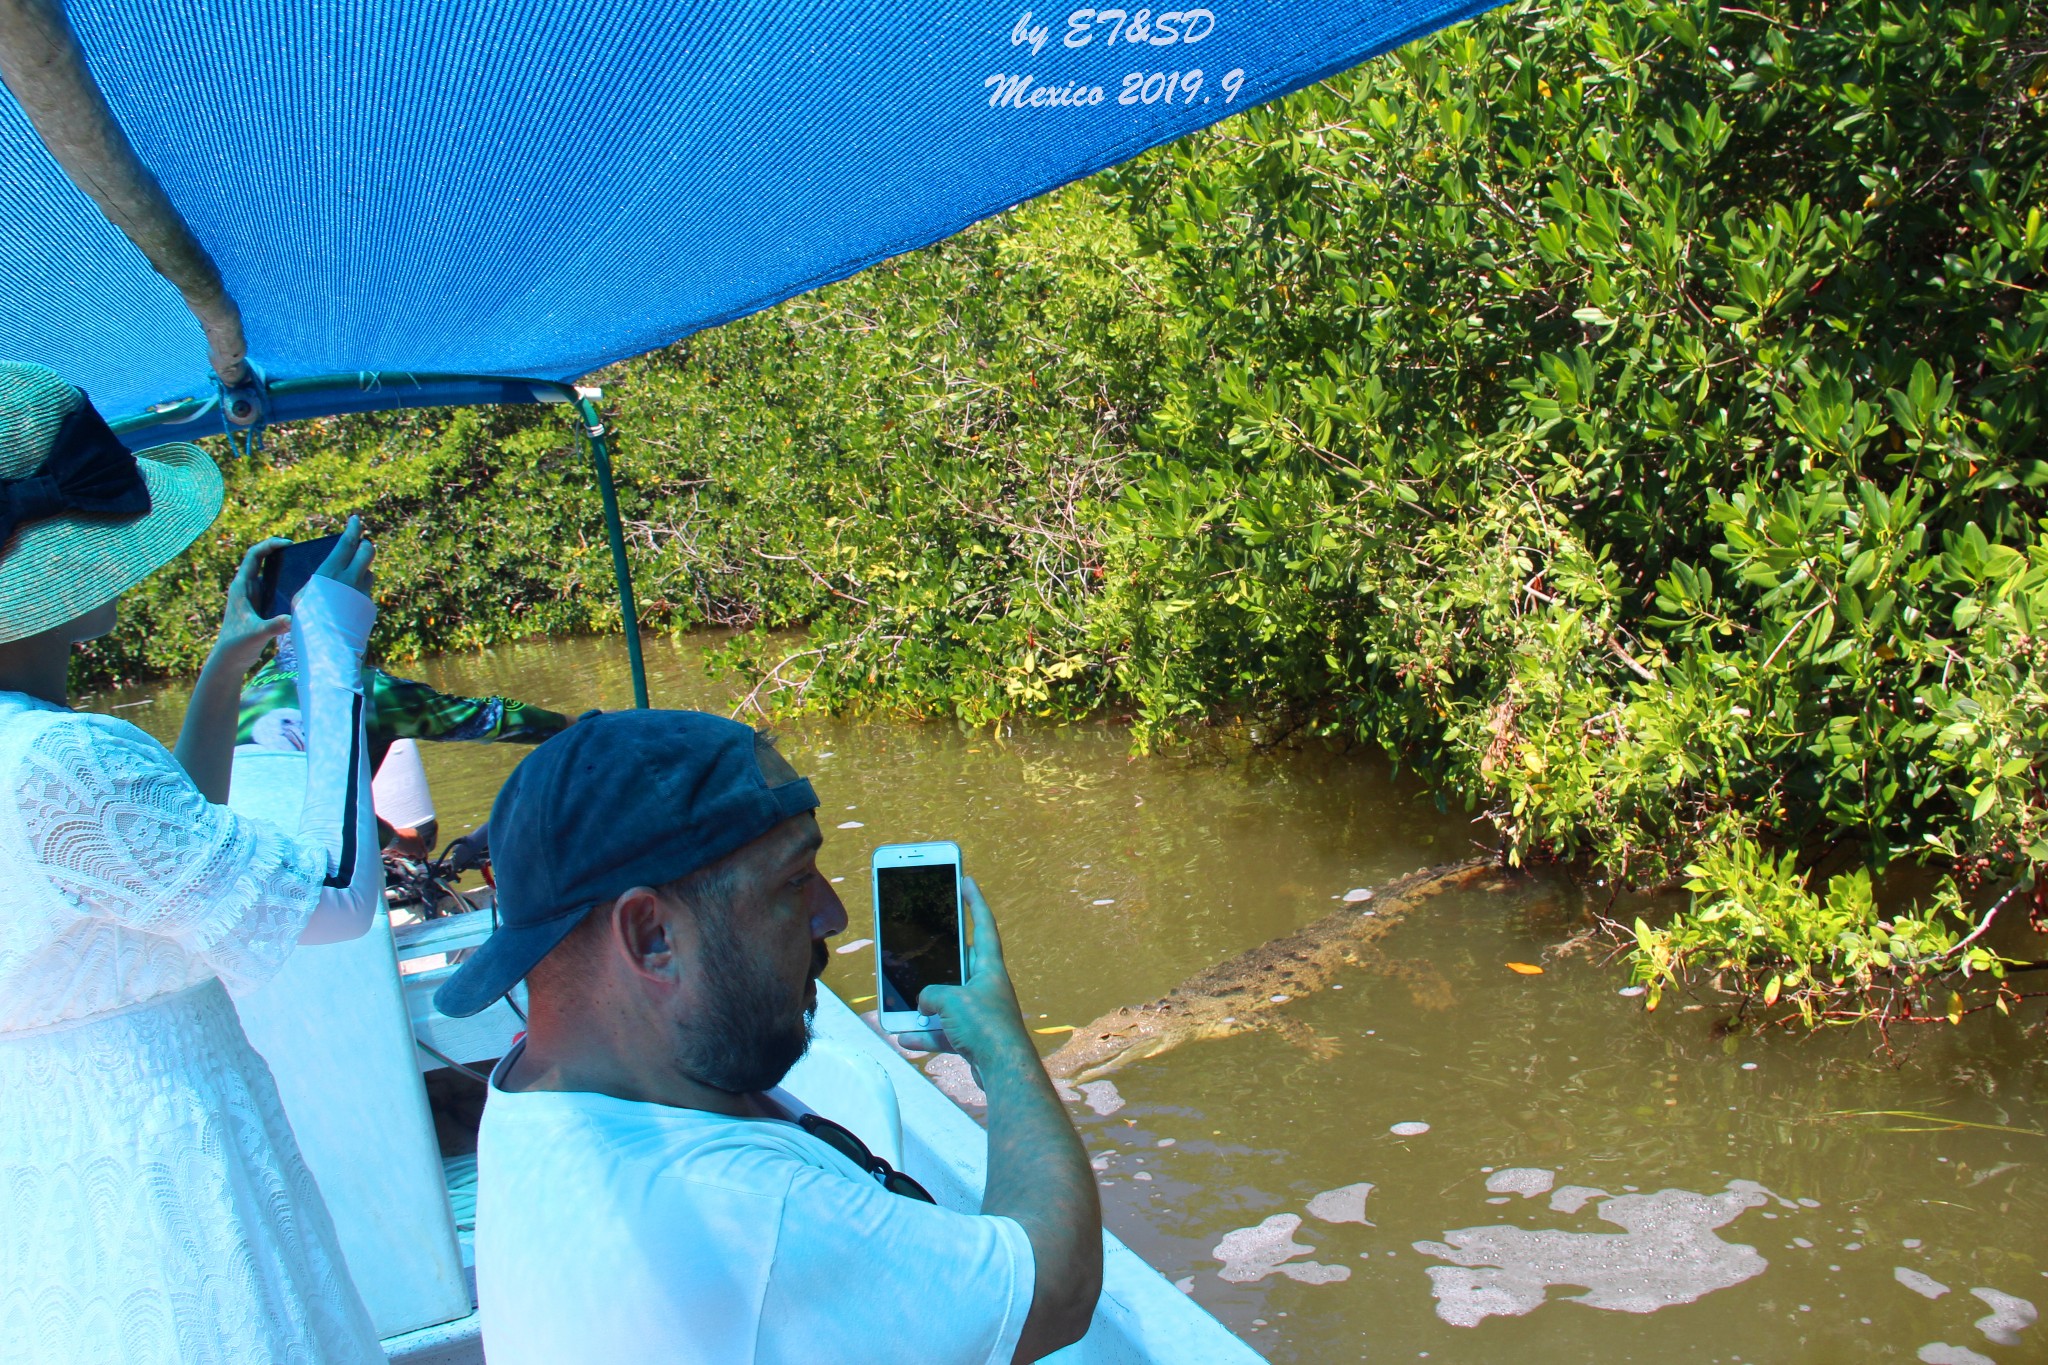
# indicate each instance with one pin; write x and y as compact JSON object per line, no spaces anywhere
{"x":1116,"y":878}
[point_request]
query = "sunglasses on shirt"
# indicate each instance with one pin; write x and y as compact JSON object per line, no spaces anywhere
{"x":843,"y":1141}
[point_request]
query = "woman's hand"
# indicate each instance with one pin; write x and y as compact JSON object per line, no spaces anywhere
{"x":348,"y":563}
{"x":242,"y":632}
{"x":206,"y":742}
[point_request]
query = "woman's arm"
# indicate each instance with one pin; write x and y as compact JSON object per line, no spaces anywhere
{"x":117,"y":828}
{"x":405,"y":708}
{"x":331,"y":619}
{"x":206,"y":741}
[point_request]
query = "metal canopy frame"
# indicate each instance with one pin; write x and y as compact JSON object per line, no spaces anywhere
{"x":42,"y":65}
{"x":290,"y":400}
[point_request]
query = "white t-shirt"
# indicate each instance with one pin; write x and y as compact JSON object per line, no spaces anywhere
{"x":612,"y":1231}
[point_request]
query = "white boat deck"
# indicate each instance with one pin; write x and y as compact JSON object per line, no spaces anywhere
{"x":459,"y":1342}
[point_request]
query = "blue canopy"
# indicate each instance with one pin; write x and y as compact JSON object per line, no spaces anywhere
{"x":541,"y":187}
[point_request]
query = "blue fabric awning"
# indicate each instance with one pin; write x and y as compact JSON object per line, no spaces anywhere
{"x":542,"y":187}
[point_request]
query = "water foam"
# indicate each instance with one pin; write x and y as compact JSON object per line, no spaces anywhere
{"x":1925,"y":1285}
{"x":1527,"y":1181}
{"x":1572,"y":1198}
{"x":1102,"y":1096}
{"x":1345,"y":1204}
{"x":2010,"y":1315}
{"x":1250,"y":1254}
{"x":955,"y":1078}
{"x":1667,"y":1254}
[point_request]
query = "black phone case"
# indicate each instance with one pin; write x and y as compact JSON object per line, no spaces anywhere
{"x":287,"y":570}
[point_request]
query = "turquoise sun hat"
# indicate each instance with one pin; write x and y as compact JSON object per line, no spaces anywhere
{"x":79,"y":532}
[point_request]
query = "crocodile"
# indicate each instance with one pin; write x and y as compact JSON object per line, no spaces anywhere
{"x":1244,"y":993}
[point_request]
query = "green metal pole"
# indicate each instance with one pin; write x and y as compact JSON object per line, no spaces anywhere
{"x":629,"y":615}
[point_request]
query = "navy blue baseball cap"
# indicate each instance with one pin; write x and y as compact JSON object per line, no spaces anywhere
{"x":624,"y":799}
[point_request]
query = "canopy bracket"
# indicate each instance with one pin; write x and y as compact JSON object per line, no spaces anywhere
{"x":245,"y":411}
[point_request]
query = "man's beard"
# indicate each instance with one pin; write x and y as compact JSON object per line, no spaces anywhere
{"x":746,"y":1038}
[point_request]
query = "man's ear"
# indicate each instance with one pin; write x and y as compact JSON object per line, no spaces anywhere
{"x":641,"y":930}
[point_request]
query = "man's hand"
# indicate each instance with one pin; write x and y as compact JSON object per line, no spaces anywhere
{"x":470,"y":852}
{"x":1038,"y":1172}
{"x":980,"y":1019}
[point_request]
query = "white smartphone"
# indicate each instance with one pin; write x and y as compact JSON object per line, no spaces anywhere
{"x":919,"y":940}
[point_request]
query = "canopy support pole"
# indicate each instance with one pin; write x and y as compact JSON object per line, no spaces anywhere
{"x":41,"y":63}
{"x":629,"y":614}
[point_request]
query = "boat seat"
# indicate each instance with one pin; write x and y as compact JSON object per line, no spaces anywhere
{"x":484,"y":1036}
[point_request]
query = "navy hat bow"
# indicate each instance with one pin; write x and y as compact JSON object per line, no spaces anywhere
{"x":87,"y":471}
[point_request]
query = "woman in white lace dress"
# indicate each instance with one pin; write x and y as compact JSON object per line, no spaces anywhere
{"x":153,"y":1204}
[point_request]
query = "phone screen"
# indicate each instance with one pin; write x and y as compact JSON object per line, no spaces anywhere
{"x":285,"y":571}
{"x":917,"y":915}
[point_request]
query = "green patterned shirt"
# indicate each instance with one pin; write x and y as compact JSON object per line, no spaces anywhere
{"x":399,"y":708}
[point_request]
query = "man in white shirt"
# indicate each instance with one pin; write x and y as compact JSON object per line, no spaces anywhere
{"x":641,"y":1192}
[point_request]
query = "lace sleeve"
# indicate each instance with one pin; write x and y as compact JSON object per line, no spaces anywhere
{"x":121,"y":833}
